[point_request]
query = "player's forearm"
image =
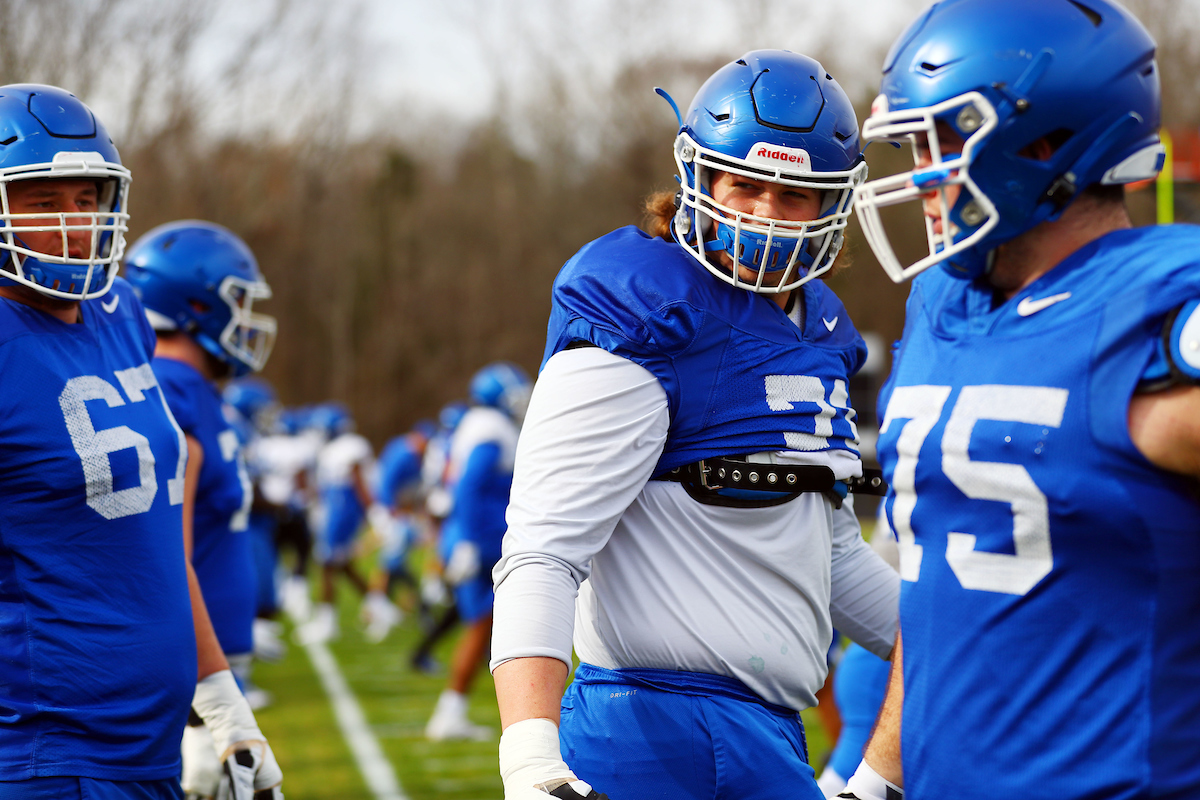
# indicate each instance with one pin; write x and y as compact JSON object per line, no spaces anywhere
{"x":360,"y":486}
{"x":530,"y":688}
{"x":865,"y":591}
{"x":883,"y":750}
{"x":209,"y":656}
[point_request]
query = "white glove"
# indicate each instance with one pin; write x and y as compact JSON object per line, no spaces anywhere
{"x":245,"y":770}
{"x":867,"y":784}
{"x":250,"y":766}
{"x":201,"y":767}
{"x":463,"y":564}
{"x":433,"y":590}
{"x":439,"y":503}
{"x":532,"y":766}
{"x":269,"y":644}
{"x":383,"y":524}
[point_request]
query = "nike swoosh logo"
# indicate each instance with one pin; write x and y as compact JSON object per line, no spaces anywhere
{"x":829,"y":326}
{"x":111,"y":308}
{"x":1029,"y":306}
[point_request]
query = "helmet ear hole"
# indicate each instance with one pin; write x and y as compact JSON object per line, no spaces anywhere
{"x":1043,"y":148}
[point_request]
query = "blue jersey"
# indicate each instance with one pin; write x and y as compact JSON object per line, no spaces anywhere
{"x":1050,"y":601}
{"x":98,"y":661}
{"x":399,"y":470}
{"x":480,"y":475}
{"x":221,"y":549}
{"x":739,"y":375}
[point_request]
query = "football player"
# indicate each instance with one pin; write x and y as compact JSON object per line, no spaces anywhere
{"x":343,"y":498}
{"x":1041,"y":426}
{"x":684,"y":469}
{"x":253,"y":409}
{"x":437,"y":503}
{"x":396,"y":519}
{"x":104,"y":627}
{"x":285,"y":462}
{"x":859,"y":684}
{"x":479,"y":478}
{"x":198,"y":283}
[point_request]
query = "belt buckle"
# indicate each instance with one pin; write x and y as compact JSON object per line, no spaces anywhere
{"x":704,"y":469}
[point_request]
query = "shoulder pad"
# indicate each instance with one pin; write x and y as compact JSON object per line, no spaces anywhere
{"x":627,"y":292}
{"x":1181,"y":340}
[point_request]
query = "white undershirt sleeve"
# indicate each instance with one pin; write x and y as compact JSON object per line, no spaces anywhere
{"x":865,"y":592}
{"x":595,"y":429}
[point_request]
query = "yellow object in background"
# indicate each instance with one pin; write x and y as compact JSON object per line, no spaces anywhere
{"x":1165,"y":185}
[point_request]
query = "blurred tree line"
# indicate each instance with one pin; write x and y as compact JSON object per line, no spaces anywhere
{"x":403,"y":259}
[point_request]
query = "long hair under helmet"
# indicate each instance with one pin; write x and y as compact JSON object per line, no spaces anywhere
{"x":1079,"y":74}
{"x":46,"y":133}
{"x":775,"y":116}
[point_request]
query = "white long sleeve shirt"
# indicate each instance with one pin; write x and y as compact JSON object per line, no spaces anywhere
{"x":638,"y":574}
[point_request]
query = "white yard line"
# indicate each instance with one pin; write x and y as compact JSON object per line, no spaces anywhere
{"x":375,"y":768}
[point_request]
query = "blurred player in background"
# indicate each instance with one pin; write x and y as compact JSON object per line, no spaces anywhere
{"x":343,"y":465}
{"x":480,"y":474}
{"x":1041,"y":425}
{"x":199,"y":282}
{"x":859,"y":684}
{"x":253,"y":410}
{"x":397,"y":520}
{"x":684,"y":469}
{"x":104,"y":627}
{"x":437,"y":502}
{"x":285,"y":463}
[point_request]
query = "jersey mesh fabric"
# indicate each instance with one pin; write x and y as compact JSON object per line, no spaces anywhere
{"x":740,"y":377}
{"x":222,"y":553}
{"x":1049,"y":603}
{"x":95,"y":622}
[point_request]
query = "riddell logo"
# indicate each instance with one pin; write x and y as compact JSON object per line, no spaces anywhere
{"x":782,"y":155}
{"x":792,"y":158}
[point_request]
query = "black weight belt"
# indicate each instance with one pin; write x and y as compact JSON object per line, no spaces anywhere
{"x":704,"y":479}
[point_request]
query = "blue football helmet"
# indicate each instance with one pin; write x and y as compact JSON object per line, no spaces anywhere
{"x":776,"y":116}
{"x":331,"y":418}
{"x":255,"y":401}
{"x":502,"y":385}
{"x":46,"y":133}
{"x":202,"y":279}
{"x":425,"y":428}
{"x":293,"y":421}
{"x":1080,"y":74}
{"x":451,"y":414}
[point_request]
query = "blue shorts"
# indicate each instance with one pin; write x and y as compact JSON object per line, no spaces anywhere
{"x":262,"y":544}
{"x":393,"y":555}
{"x":858,"y":688}
{"x":90,"y":789}
{"x":475,"y":597}
{"x":343,"y":517}
{"x":683,"y":735}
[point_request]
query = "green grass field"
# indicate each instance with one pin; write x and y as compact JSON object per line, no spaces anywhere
{"x":397,"y":702}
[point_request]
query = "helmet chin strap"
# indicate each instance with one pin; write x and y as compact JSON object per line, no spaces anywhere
{"x":23,"y":261}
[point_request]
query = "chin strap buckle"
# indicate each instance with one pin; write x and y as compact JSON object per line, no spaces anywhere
{"x":1063,"y":190}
